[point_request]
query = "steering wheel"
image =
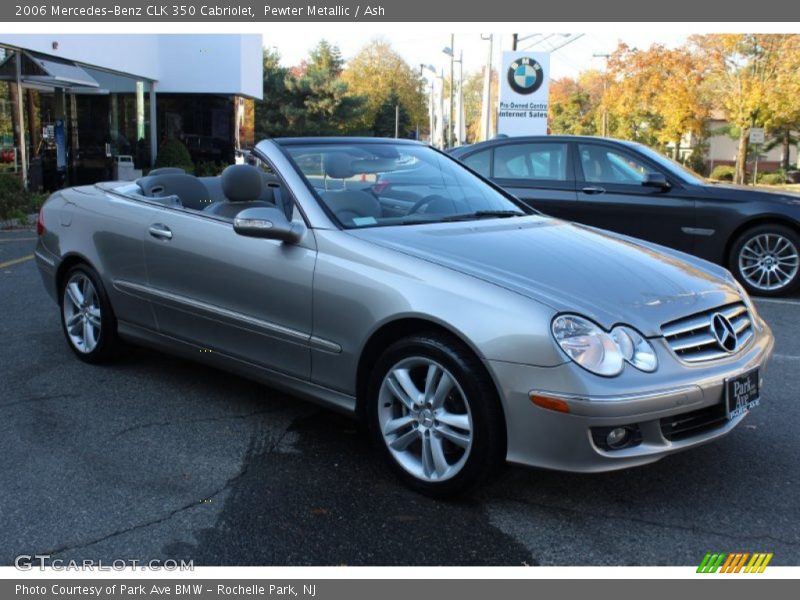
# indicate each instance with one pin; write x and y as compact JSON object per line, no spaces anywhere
{"x":423,"y":202}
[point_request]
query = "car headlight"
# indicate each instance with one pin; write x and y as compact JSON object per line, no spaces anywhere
{"x":635,"y":348}
{"x":601,"y":352}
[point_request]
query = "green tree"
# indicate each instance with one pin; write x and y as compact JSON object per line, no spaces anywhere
{"x":270,"y":118}
{"x":320,"y":102}
{"x":574,"y":104}
{"x":385,"y":118}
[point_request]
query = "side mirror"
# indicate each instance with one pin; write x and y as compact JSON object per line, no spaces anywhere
{"x":656,"y":180}
{"x":268,"y":223}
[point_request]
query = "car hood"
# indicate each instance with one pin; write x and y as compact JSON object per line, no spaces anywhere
{"x":571,"y":268}
{"x":749,"y":193}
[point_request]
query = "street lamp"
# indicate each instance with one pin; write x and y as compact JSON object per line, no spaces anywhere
{"x":486,"y":109}
{"x":432,"y":107}
{"x":448,"y":50}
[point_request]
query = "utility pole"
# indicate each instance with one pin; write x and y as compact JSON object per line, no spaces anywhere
{"x":396,"y":120}
{"x":605,"y":87}
{"x":421,"y":92}
{"x":486,"y":108}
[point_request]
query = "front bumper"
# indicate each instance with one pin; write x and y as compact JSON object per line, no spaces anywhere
{"x":556,"y":440}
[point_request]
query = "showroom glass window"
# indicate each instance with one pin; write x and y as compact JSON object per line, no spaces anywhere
{"x":543,"y":161}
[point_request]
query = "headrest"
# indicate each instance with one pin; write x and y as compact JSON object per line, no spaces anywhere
{"x":338,"y":165}
{"x":242,"y":183}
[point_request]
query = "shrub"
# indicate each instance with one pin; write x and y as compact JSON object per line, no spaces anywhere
{"x":174,"y":154}
{"x":15,"y":202}
{"x":776,"y":178}
{"x":723,"y":173}
{"x":208,"y":168}
{"x":11,"y":195}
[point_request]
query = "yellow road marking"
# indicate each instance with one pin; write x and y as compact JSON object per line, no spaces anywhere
{"x":16,"y":261}
{"x":11,"y":240}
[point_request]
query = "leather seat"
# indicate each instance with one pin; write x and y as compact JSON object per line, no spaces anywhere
{"x":188,"y":188}
{"x":243,"y":186}
{"x":347,"y":204}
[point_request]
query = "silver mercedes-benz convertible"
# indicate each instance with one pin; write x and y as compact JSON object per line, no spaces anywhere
{"x":384,"y":279}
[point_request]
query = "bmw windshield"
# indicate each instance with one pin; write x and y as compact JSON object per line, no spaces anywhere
{"x":380,"y":183}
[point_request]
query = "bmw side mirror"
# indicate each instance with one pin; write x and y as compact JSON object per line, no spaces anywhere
{"x":656,"y":180}
{"x":268,"y":223}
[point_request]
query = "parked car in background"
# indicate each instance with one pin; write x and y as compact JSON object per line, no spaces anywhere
{"x":465,"y":328}
{"x":631,"y":189}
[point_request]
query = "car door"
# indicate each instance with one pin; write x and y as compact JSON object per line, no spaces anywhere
{"x":117,"y":235}
{"x":245,"y":297}
{"x":539,"y":173}
{"x":613,"y":194}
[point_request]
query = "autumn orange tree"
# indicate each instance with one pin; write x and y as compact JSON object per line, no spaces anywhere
{"x":752,"y":78}
{"x":655,"y":95}
{"x":378,"y":72}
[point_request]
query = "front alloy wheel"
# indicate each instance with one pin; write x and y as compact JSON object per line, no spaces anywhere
{"x":425,"y":420}
{"x":766,"y":260}
{"x":435,"y":413}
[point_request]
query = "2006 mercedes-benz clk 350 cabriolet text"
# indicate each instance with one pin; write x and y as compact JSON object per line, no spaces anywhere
{"x":465,"y":328}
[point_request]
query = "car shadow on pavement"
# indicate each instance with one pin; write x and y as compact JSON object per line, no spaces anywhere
{"x":321,"y":495}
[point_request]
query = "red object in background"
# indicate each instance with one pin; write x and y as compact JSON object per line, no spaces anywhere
{"x":380,"y":186}
{"x":7,"y":156}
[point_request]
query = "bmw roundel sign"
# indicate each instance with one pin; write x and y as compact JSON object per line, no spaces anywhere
{"x":525,"y":75}
{"x":524,"y":93}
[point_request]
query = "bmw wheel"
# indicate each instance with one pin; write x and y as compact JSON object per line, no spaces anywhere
{"x":766,"y":259}
{"x":434,"y":412}
{"x":87,"y":319}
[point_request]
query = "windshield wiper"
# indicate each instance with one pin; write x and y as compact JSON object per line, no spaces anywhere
{"x":484,"y":214}
{"x":478,"y":214}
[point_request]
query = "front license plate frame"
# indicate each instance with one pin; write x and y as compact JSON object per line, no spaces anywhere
{"x":742,"y":393}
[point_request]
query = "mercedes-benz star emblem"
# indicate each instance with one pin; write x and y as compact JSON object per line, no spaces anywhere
{"x":723,"y":331}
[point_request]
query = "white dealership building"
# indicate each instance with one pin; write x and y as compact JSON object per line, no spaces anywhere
{"x":72,"y":105}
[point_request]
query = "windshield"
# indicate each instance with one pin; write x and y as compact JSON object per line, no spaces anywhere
{"x":373,"y":184}
{"x":684,"y":174}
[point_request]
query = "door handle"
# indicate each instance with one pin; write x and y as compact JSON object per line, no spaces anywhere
{"x":593,"y":190}
{"x":160,"y":231}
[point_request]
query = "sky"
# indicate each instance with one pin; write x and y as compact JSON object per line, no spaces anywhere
{"x":425,"y":47}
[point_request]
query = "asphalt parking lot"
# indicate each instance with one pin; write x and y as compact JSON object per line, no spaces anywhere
{"x":160,"y":458}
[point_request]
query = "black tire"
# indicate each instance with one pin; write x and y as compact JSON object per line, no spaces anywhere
{"x":738,"y":251}
{"x":108,"y":343}
{"x":486,"y":454}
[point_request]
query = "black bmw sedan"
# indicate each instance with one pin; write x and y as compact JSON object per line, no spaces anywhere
{"x":629,"y":188}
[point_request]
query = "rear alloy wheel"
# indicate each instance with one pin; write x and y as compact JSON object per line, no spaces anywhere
{"x":436,"y":414}
{"x":86,"y":316}
{"x":766,"y":260}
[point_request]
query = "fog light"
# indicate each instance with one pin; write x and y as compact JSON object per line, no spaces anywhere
{"x":617,"y":437}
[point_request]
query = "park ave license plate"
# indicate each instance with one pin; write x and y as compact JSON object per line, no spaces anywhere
{"x":741,"y":393}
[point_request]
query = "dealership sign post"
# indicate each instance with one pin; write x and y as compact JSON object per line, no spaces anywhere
{"x":524,"y":85}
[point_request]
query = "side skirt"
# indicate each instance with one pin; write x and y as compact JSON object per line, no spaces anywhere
{"x":306,"y":390}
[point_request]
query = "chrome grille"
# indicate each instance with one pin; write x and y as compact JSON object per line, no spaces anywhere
{"x":692,"y":339}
